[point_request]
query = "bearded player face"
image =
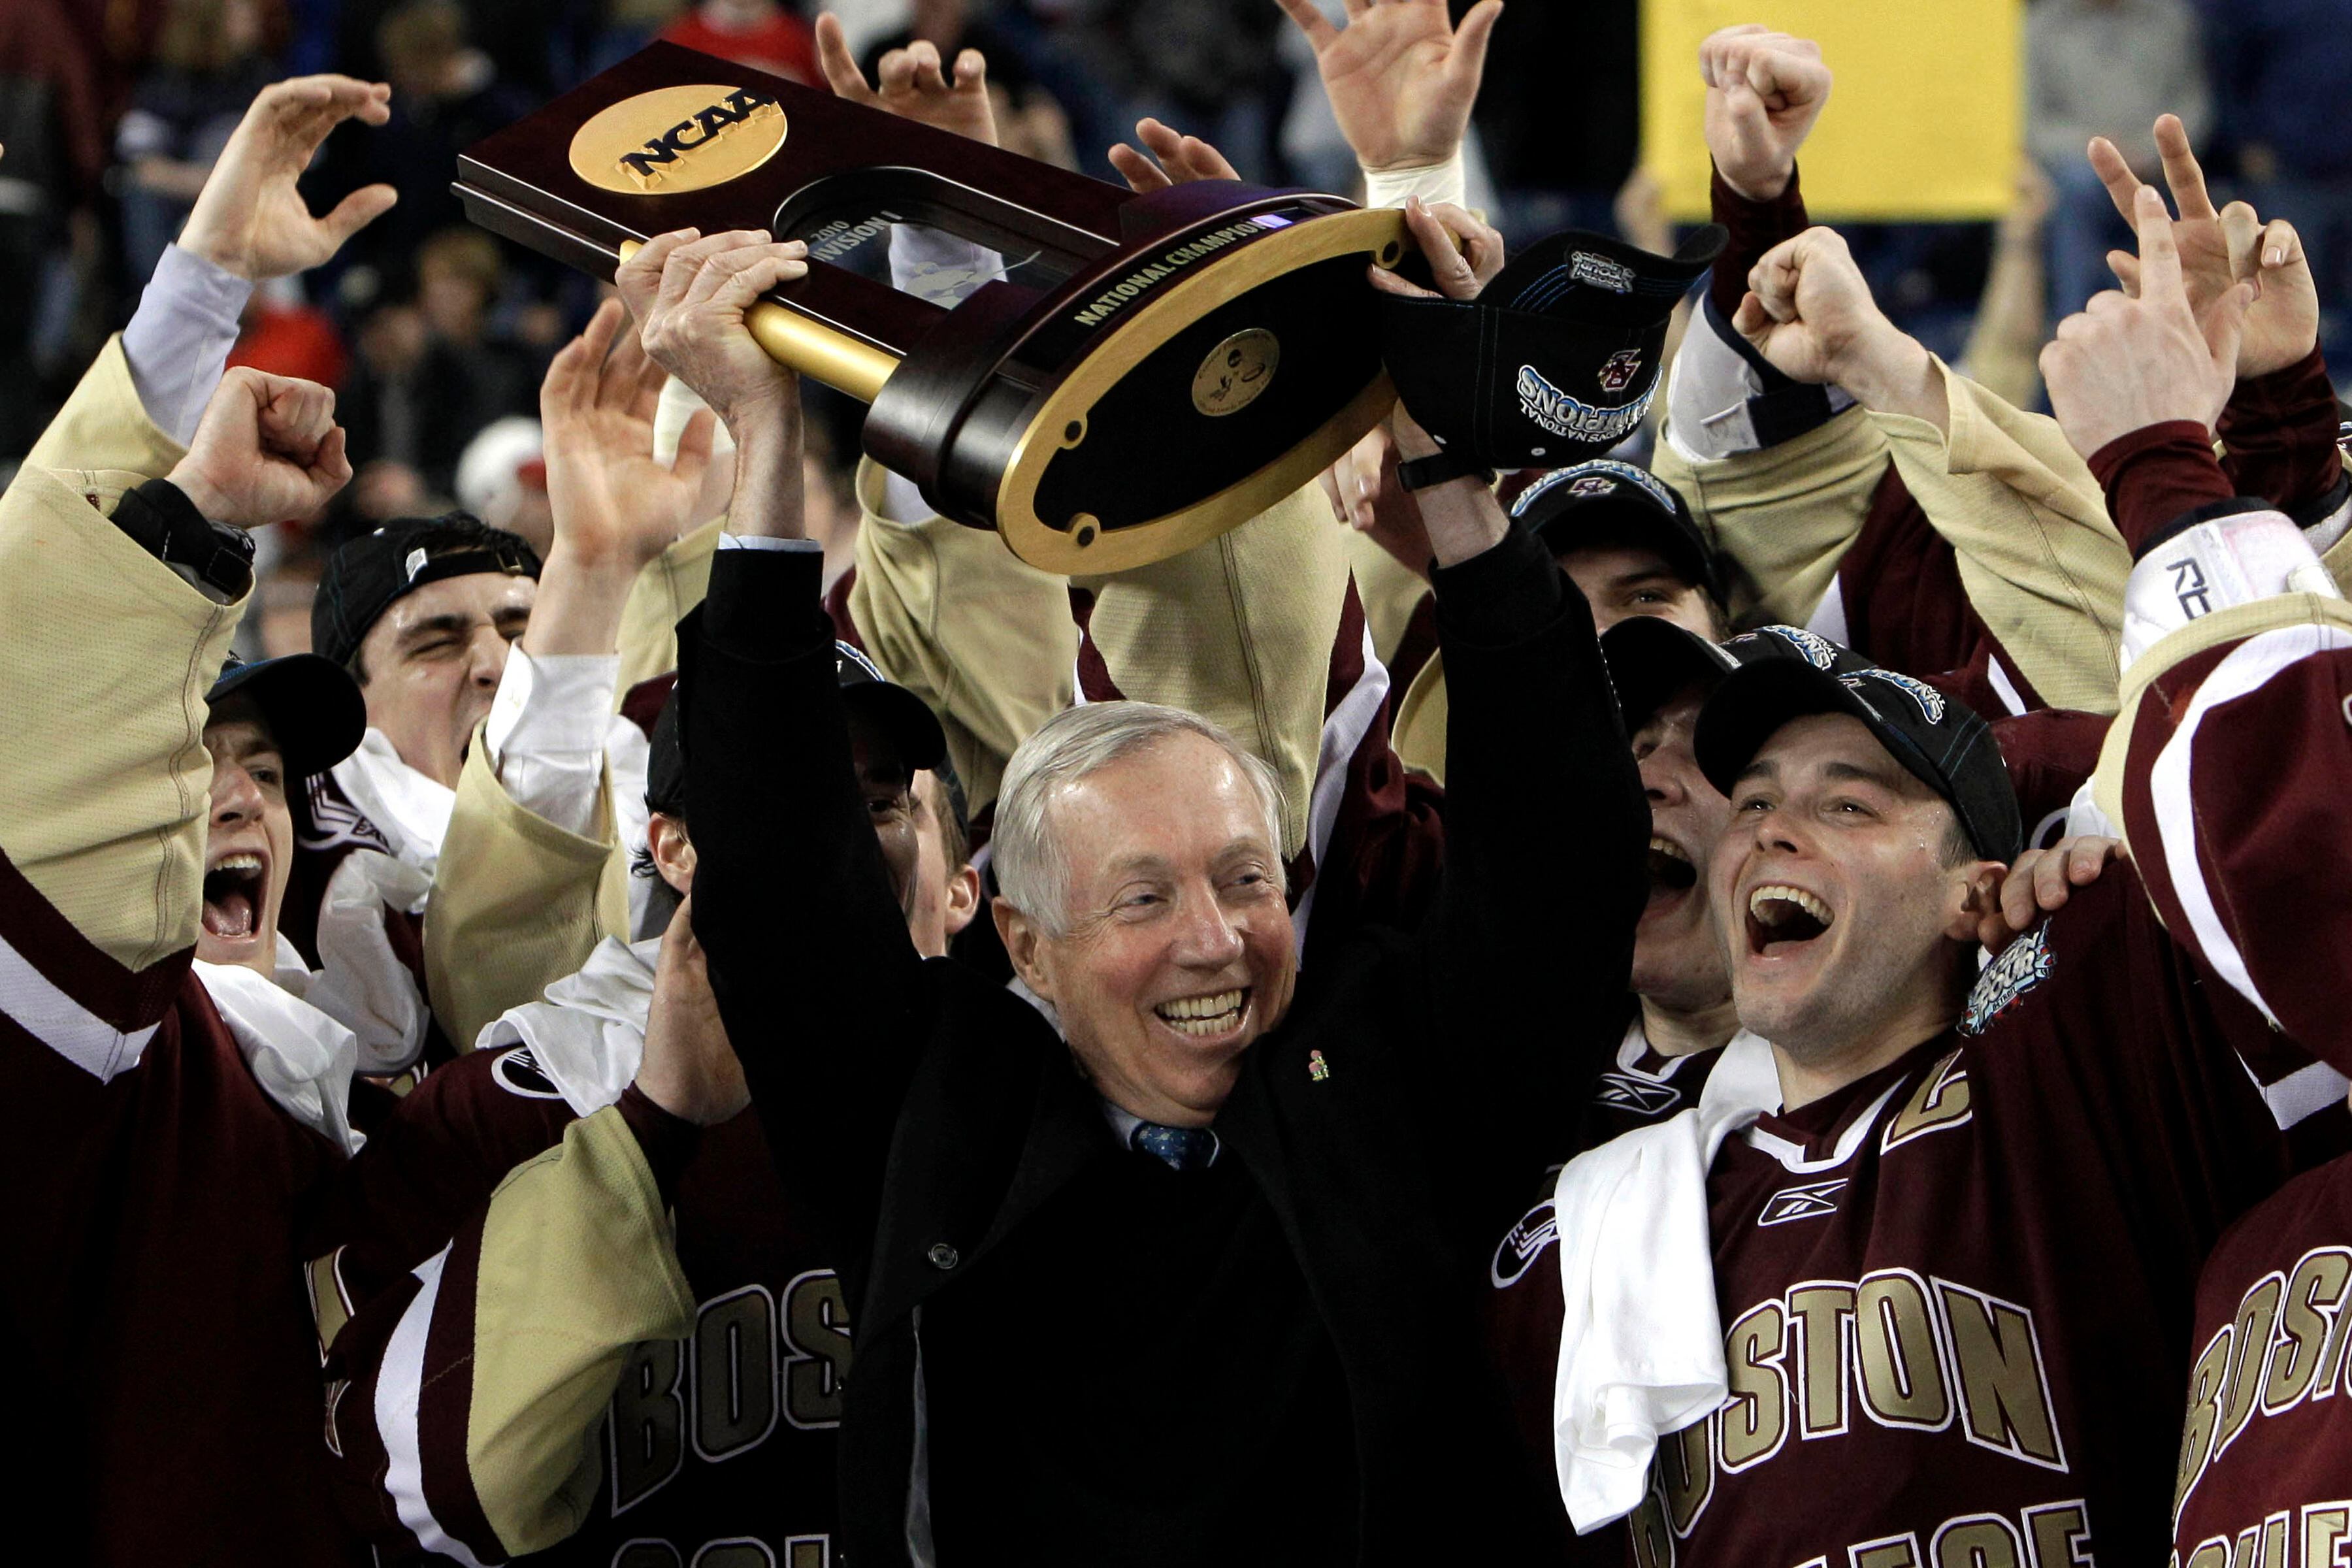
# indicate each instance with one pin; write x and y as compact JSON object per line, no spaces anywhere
{"x":249,"y":841}
{"x":1843,"y":910}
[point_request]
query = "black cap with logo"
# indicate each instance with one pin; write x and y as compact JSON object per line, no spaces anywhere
{"x":1556,"y":359}
{"x":312,"y":706}
{"x":896,"y":711}
{"x":1943,"y":742}
{"x":370,"y":574}
{"x":1651,"y":659}
{"x":1607,"y":502}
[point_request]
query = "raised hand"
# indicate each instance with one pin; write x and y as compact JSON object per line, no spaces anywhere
{"x":249,"y":219}
{"x":267,"y":450}
{"x":615,"y":504}
{"x":1464,"y":253}
{"x":1399,"y":76}
{"x":2041,"y":882}
{"x":1809,"y":310}
{"x":1764,"y":90}
{"x":689,"y":292}
{"x":1365,"y":494}
{"x":1181,"y":159}
{"x":1810,"y":313}
{"x":914,"y":84}
{"x":2125,"y":363}
{"x":2219,"y":250}
{"x":689,"y":1068}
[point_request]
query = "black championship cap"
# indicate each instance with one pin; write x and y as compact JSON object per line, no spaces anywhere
{"x":1607,"y":502}
{"x":1942,"y":742}
{"x":898,"y":713}
{"x":312,"y":706}
{"x":1650,"y":658}
{"x":1556,"y":359}
{"x":365,"y":577}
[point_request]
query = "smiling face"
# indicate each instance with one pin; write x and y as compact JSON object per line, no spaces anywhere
{"x":1177,"y":951}
{"x":432,"y":661}
{"x":1846,"y":915}
{"x":249,"y":841}
{"x":1678,"y":959}
{"x":1621,"y":580}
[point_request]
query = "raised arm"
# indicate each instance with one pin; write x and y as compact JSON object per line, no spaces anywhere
{"x":815,"y":977}
{"x":533,"y":872}
{"x":1546,"y":824}
{"x":2227,"y":764}
{"x":103,"y":838}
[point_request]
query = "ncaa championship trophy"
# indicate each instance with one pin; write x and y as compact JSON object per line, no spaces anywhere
{"x":1190,"y":357}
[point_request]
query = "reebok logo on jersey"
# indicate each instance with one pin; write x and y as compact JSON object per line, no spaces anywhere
{"x":1537,"y":1229}
{"x":1627,"y":1091}
{"x":518,"y":1073}
{"x":1807,"y":1202}
{"x":2022,"y":966}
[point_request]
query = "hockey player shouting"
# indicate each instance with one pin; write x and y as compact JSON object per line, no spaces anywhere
{"x":1889,"y":1239}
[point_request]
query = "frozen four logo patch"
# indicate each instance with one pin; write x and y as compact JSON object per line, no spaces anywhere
{"x":1815,"y":649}
{"x":1564,"y":414}
{"x":1596,"y":478}
{"x":1601,"y":272}
{"x":1930,"y":701}
{"x":2022,"y":966}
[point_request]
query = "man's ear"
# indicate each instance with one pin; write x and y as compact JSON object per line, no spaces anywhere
{"x":672,"y":850}
{"x":1022,"y":940}
{"x":1976,"y":899}
{"x":963,"y":899}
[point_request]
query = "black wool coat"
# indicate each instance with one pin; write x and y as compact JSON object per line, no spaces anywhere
{"x":930,"y":1112}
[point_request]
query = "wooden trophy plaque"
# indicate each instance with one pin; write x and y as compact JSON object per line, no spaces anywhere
{"x":1187,"y":358}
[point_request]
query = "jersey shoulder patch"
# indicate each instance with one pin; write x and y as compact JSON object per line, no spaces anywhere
{"x":2022,"y":966}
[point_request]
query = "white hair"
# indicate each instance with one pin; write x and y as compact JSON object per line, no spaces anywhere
{"x":1032,"y":870}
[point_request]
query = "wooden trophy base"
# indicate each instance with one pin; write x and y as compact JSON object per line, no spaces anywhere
{"x":1208,"y":349}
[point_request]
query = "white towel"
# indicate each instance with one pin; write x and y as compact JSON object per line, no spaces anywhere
{"x":302,"y":1059}
{"x":1641,"y":1346}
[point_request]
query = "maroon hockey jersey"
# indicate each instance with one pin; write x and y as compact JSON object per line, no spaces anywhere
{"x":1954,"y":1291}
{"x":717,"y":1449}
{"x":153,"y":1263}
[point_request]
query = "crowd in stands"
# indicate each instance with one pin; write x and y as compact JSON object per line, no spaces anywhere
{"x":1722,"y":945}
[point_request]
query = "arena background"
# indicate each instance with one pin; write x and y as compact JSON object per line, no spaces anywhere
{"x":1951,"y":157}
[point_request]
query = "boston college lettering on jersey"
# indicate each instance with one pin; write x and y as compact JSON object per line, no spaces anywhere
{"x":2265,"y":1472}
{"x":1918,"y":1274}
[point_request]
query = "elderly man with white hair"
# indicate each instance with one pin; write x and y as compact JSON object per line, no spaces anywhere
{"x":1174,"y":1258}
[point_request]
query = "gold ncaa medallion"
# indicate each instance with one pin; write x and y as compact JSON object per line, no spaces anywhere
{"x":677,"y":139}
{"x":1235,"y":373}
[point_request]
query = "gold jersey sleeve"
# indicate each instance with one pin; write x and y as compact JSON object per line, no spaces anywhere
{"x":109,"y":654}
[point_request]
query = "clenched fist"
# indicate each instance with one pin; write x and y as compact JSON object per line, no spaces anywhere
{"x":1764,"y":90}
{"x":689,"y":1069}
{"x":267,"y":450}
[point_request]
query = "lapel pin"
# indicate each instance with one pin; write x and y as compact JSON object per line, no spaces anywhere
{"x":1317,"y":1068}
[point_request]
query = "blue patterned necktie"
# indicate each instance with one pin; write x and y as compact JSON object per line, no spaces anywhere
{"x":1178,"y":1148}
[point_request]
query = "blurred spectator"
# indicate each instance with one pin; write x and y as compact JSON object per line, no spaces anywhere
{"x":2279,"y":68}
{"x":1209,"y":68}
{"x":211,"y":58}
{"x":502,"y":479}
{"x":1557,"y":157}
{"x":430,"y":377}
{"x":2104,"y":67}
{"x":284,"y":335}
{"x":760,"y":34}
{"x":446,"y":95}
{"x":53,"y":123}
